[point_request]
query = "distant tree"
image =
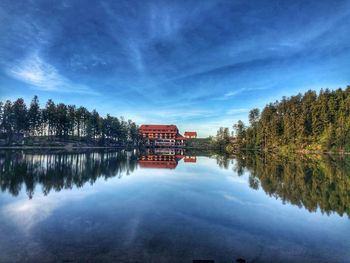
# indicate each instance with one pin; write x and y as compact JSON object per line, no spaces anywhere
{"x":240,"y":132}
{"x":34,"y":116}
{"x":71,"y":119}
{"x":1,"y":115}
{"x":94,"y":124}
{"x":20,"y":115}
{"x":62,"y":121}
{"x":8,"y":120}
{"x":49,"y":115}
{"x":79,"y":119}
{"x":321,"y":121}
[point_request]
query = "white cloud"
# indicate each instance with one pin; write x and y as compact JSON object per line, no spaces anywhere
{"x":238,"y":91}
{"x":235,"y":111}
{"x":234,"y":92}
{"x":43,"y":76}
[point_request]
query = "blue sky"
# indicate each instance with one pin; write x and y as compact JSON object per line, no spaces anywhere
{"x":197,"y":64}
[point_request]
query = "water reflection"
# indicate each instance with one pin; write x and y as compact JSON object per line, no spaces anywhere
{"x":194,"y":211}
{"x":57,"y":171}
{"x":164,"y":158}
{"x":313,"y":181}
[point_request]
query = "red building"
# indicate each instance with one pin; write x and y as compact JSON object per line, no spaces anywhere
{"x":190,"y":135}
{"x":161,"y":135}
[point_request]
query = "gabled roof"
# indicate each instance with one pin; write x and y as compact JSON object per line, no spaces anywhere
{"x":190,"y":133}
{"x":158,"y":127}
{"x":179,"y":137}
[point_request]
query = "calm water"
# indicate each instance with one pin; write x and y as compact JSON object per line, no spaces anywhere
{"x":173,"y":207}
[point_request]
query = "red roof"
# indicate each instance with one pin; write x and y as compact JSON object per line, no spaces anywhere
{"x":179,"y":137}
{"x":190,"y":133}
{"x":150,"y":127}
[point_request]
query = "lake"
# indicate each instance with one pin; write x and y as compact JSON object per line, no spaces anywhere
{"x":173,"y":206}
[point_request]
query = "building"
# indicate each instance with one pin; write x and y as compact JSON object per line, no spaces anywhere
{"x":190,"y":135}
{"x":161,"y":158}
{"x":162,"y":135}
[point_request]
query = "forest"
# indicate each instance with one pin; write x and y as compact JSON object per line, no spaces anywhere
{"x":60,"y":122}
{"x":314,"y":122}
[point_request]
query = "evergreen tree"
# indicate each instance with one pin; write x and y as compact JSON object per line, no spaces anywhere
{"x":321,"y":121}
{"x":34,"y":116}
{"x":20,"y":115}
{"x":62,"y":121}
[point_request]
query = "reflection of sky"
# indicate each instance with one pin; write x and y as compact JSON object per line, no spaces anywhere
{"x":192,"y":211}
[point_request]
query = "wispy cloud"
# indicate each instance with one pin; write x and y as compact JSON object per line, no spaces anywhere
{"x":241,"y":90}
{"x":171,"y":114}
{"x":236,"y":111}
{"x":234,"y":92}
{"x":43,"y":76}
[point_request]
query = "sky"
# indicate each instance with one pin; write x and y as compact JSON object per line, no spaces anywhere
{"x":197,"y":64}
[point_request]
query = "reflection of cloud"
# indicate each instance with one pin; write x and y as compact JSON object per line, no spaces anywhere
{"x":236,"y":179}
{"x":27,"y":213}
{"x":232,"y":198}
{"x":243,"y":202}
{"x":246,"y":203}
{"x":133,"y":226}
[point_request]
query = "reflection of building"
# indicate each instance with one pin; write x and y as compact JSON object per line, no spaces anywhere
{"x":190,"y":135}
{"x":161,"y":158}
{"x":161,"y":135}
{"x":190,"y":159}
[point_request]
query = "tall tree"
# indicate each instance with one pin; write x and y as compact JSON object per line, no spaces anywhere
{"x":20,"y":113}
{"x":34,"y":116}
{"x":49,"y":114}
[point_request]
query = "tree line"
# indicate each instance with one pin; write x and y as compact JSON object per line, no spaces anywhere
{"x":63,"y":121}
{"x":310,"y":121}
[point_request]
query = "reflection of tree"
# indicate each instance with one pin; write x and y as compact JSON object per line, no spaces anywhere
{"x":223,"y":160}
{"x":306,"y":181}
{"x":60,"y":171}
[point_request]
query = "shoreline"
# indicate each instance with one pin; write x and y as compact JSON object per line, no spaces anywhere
{"x":295,"y":151}
{"x":91,"y":147}
{"x":61,"y":147}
